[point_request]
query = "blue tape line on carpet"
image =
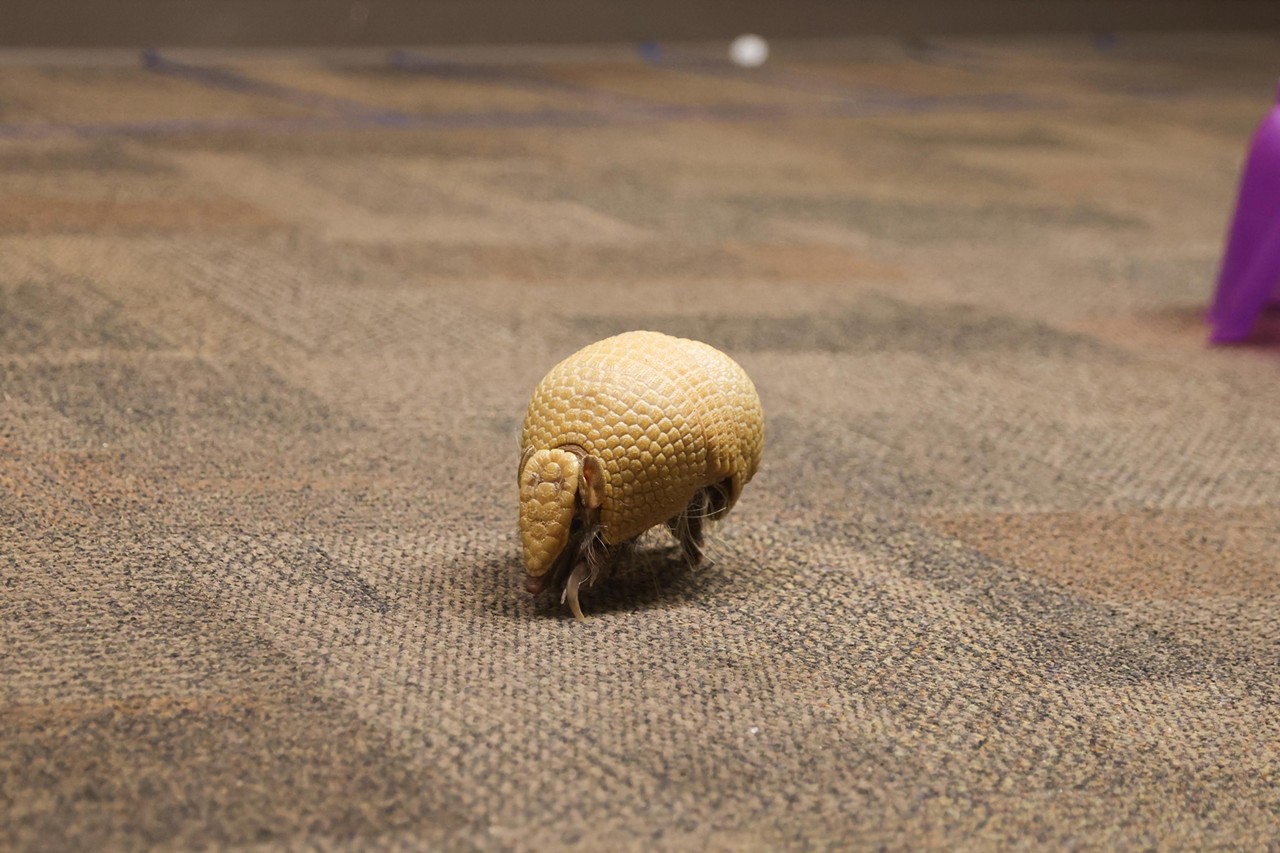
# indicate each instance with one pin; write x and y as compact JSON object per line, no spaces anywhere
{"x":221,"y":78}
{"x":772,"y":76}
{"x":525,"y":78}
{"x":346,"y":114}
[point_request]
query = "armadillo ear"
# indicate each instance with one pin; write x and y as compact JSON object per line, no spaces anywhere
{"x":549,"y":483}
{"x":592,"y":484}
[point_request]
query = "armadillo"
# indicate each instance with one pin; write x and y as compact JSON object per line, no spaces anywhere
{"x":628,"y":433}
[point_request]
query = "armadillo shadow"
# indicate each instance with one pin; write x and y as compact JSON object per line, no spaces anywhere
{"x":646,"y":579}
{"x":650,"y":578}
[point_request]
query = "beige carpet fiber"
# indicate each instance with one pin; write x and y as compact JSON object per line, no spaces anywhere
{"x":1008,"y":576}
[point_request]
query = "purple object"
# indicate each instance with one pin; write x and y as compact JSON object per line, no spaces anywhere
{"x":1250,"y":275}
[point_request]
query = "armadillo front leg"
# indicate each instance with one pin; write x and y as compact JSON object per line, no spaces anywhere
{"x":591,"y":556}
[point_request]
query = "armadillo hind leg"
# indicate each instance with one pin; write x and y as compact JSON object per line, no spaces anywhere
{"x":687,"y":526}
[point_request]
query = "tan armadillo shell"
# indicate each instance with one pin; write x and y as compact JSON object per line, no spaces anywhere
{"x":665,"y":416}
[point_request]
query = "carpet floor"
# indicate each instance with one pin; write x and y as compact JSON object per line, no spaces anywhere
{"x":268,"y":326}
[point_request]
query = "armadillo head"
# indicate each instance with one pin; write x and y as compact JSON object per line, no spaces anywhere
{"x":561,"y":492}
{"x":548,"y":491}
{"x":548,"y":495}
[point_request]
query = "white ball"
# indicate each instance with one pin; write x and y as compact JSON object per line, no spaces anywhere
{"x":749,"y":51}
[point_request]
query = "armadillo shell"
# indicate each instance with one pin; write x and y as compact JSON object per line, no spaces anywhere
{"x":665,"y":416}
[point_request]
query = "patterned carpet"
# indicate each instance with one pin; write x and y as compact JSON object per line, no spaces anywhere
{"x":268,"y":325}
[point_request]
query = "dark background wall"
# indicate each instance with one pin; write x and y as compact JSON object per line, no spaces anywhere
{"x":51,"y":23}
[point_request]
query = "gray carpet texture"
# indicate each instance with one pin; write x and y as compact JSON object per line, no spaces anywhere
{"x":1007,"y":577}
